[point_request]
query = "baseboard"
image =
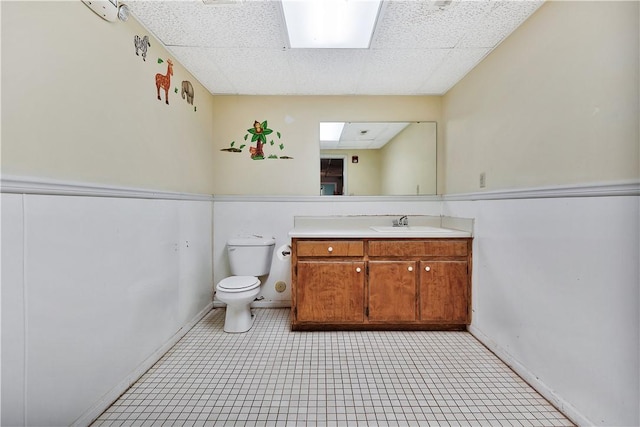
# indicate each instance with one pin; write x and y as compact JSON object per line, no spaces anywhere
{"x":563,"y":406}
{"x":107,"y":400}
{"x":259,"y":304}
{"x":271,"y":304}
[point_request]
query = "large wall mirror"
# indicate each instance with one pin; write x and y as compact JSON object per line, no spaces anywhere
{"x":378,"y":158}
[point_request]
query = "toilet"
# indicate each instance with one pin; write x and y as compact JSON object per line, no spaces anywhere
{"x":249,"y":258}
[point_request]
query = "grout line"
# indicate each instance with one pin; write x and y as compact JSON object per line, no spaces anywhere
{"x":329,"y":378}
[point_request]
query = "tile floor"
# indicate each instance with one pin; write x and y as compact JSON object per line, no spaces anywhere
{"x":271,"y":376}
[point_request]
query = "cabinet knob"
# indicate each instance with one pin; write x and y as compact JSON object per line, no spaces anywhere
{"x":330,"y":249}
{"x":427,"y":268}
{"x":358,"y":270}
{"x":410,"y":268}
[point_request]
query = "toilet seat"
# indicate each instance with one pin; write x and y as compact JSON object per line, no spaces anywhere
{"x":238,"y":284}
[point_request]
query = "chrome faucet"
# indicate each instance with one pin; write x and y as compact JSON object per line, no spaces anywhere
{"x":402,"y":222}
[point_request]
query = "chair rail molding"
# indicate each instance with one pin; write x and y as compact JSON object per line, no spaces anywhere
{"x":54,"y":187}
{"x":603,"y":189}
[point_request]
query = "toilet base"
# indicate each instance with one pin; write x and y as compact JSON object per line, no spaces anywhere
{"x":238,"y":318}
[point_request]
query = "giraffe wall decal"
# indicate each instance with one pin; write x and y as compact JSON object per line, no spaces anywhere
{"x":164,"y":81}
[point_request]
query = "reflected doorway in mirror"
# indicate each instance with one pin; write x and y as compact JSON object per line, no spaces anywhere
{"x":332,"y":175}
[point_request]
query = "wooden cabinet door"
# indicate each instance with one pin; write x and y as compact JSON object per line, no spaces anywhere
{"x":330,"y":291}
{"x":444,"y":291}
{"x":392,"y":291}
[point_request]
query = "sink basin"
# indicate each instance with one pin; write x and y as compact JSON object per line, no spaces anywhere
{"x":410,"y":229}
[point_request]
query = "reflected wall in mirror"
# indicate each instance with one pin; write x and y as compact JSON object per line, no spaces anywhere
{"x":378,"y":158}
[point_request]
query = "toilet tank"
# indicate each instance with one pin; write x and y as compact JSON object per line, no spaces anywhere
{"x":250,"y":256}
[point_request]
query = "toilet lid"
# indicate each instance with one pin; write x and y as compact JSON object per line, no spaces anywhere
{"x":238,"y":284}
{"x":253,"y":240}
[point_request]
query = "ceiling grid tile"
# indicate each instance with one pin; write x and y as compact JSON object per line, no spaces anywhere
{"x":418,"y":47}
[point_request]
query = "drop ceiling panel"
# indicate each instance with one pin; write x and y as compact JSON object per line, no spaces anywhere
{"x":257,"y":74}
{"x":419,"y":47}
{"x":422,"y":25}
{"x":399,"y":71}
{"x":504,"y":18}
{"x":326,"y":71}
{"x":256,"y":24}
{"x":453,"y":68}
{"x":159,"y":18}
{"x":205,"y":65}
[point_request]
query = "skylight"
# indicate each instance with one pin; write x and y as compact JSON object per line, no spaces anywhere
{"x":337,"y":24}
{"x":331,"y":131}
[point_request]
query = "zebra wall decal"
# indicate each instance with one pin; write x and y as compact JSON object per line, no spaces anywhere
{"x":141,"y":44}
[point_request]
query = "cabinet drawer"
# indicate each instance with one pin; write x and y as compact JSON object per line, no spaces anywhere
{"x":330,"y":248}
{"x":404,"y":248}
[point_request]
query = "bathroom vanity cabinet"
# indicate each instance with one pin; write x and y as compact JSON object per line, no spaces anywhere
{"x":336,"y":291}
{"x":375,"y":283}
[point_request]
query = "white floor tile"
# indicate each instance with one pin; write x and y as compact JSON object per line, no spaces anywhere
{"x":271,"y":376}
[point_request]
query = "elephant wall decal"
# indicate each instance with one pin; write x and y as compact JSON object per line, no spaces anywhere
{"x":187,"y":89}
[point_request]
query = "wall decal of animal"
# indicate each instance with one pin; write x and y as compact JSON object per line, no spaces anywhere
{"x":141,"y":44}
{"x":164,"y":81}
{"x":187,"y":89}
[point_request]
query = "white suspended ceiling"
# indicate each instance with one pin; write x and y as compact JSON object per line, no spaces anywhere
{"x":419,"y":47}
{"x":364,"y":135}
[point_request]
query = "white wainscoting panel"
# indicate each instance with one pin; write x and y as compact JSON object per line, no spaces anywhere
{"x":556,"y":294}
{"x":107,"y":282}
{"x":195,"y":257}
{"x":95,"y":288}
{"x":13,"y":319}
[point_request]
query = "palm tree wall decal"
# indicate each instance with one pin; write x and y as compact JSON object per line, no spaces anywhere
{"x":259,"y":133}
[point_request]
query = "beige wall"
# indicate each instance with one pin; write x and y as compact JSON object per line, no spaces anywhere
{"x":297,"y":118}
{"x":408,"y":168}
{"x":556,"y":103}
{"x":79,"y":105}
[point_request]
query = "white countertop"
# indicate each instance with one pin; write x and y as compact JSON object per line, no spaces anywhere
{"x":370,"y":226}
